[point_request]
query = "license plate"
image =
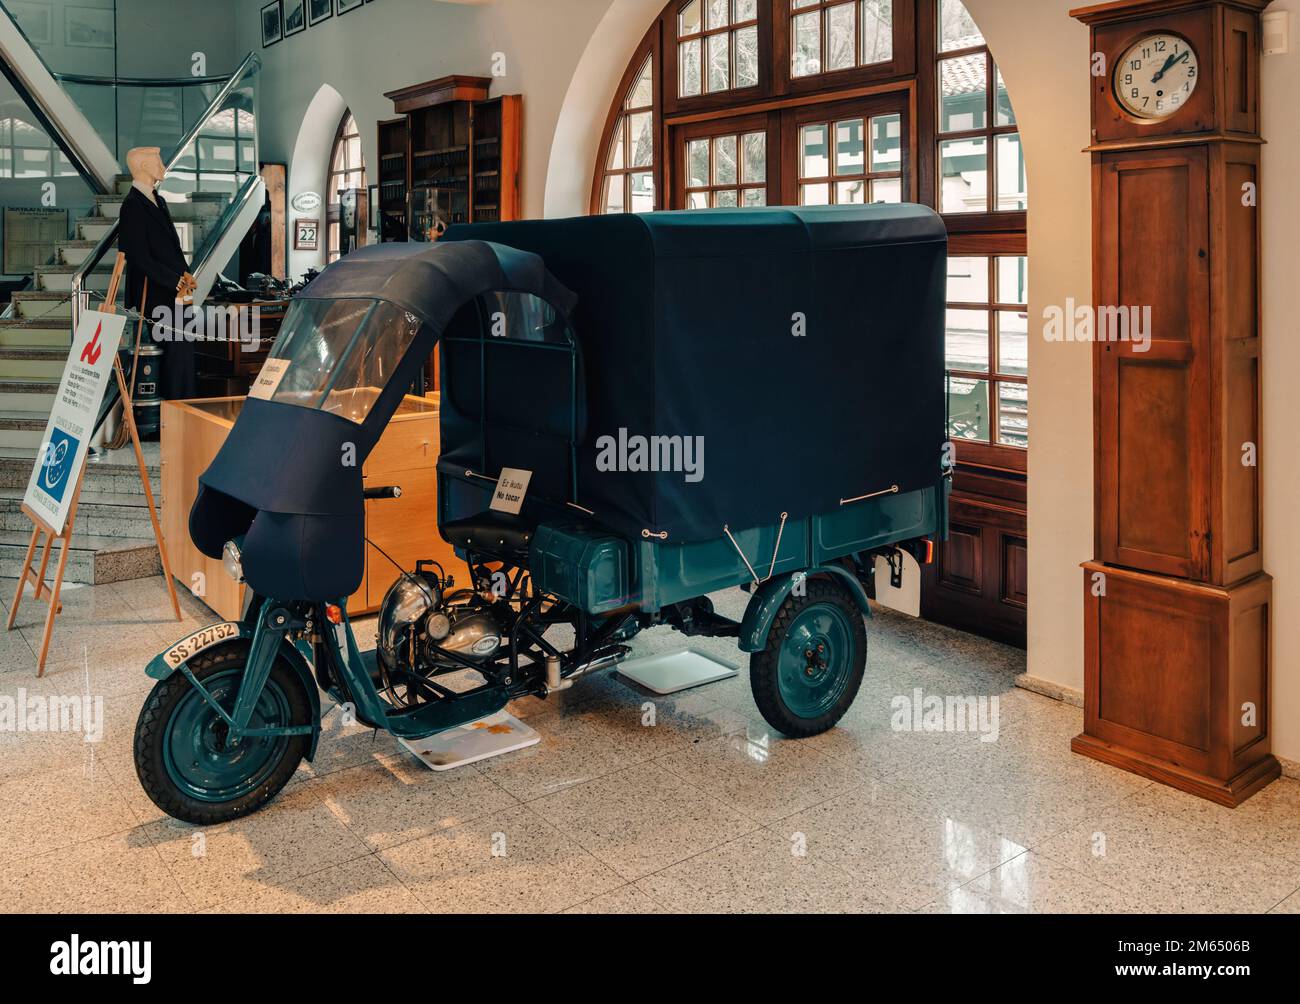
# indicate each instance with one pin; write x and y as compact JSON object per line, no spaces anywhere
{"x":192,"y":645}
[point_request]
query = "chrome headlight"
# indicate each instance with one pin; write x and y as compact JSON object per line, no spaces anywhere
{"x":230,"y":559}
{"x":407,"y":600}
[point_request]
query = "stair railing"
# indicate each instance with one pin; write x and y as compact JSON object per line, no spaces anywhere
{"x":80,"y":293}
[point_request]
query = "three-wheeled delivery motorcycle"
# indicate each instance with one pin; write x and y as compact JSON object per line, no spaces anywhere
{"x":695,"y":401}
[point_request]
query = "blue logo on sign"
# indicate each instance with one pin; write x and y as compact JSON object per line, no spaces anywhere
{"x":57,"y":465}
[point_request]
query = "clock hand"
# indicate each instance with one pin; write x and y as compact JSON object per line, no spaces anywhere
{"x":1170,"y":63}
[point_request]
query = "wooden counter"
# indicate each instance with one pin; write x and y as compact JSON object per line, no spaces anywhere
{"x":405,"y":528}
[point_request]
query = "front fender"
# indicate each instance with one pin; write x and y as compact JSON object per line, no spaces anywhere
{"x":160,"y":667}
{"x":767,"y":600}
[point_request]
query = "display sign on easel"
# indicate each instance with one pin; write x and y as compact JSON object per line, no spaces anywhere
{"x":52,"y":486}
{"x":55,"y":485}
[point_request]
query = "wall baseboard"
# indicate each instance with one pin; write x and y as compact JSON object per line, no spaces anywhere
{"x":1048,"y":688}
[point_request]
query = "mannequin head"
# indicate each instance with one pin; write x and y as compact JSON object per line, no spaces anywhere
{"x":146,"y":166}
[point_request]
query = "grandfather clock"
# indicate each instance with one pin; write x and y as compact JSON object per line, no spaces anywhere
{"x":1178,"y":607}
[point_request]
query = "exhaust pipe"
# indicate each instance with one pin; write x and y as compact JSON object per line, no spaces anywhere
{"x":555,"y":682}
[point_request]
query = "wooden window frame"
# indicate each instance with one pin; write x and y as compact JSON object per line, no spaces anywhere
{"x":830,"y":116}
{"x":332,"y":213}
{"x":902,"y":63}
{"x":991,"y":454}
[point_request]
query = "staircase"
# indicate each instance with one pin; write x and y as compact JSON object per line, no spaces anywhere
{"x":113,"y":538}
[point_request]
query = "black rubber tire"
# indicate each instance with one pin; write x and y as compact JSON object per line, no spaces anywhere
{"x":150,"y":736}
{"x":763,"y":664}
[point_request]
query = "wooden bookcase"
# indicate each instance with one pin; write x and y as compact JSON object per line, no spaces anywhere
{"x":452,"y":137}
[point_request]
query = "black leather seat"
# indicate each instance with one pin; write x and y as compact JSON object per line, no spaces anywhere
{"x":489,"y":531}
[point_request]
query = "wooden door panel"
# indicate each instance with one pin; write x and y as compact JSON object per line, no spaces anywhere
{"x":1153,"y":436}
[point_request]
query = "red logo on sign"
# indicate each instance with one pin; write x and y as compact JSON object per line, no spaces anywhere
{"x":90,"y":354}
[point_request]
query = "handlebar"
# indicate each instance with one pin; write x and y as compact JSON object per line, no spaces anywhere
{"x":383,"y":492}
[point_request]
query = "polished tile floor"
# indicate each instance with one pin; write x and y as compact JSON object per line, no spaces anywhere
{"x":631,"y":803}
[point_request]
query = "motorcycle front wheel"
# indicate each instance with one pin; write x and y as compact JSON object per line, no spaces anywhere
{"x":184,"y":756}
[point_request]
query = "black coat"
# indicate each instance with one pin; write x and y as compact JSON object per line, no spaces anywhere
{"x":148,"y":238}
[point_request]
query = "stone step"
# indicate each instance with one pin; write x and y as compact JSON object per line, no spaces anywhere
{"x":43,"y":303}
{"x":99,"y":514}
{"x":32,"y":363}
{"x":17,"y":333}
{"x":73,"y":252}
{"x":58,"y":278}
{"x":93,"y":228}
{"x":122,"y":184}
{"x":30,"y":396}
{"x":115,"y":475}
{"x":22,"y":428}
{"x":92,"y":560}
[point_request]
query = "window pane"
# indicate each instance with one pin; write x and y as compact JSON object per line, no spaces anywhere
{"x":968,"y":280}
{"x":968,"y":340}
{"x":887,"y":143}
{"x":963,"y":93}
{"x":841,"y":27}
{"x":1013,"y":280}
{"x":815,"y":195}
{"x":641,"y":127}
{"x":806,"y":55}
{"x":1011,"y":174}
{"x":616,"y":149}
{"x":815,"y":161}
{"x":1013,"y":424}
{"x":746,"y":10}
{"x":688,"y":21}
{"x":689,"y":57}
{"x":613,"y":201}
{"x":354,"y":152}
{"x":797,"y":4}
{"x":1006,"y":115}
{"x":1013,"y":343}
{"x":957,"y":29}
{"x":968,"y":409}
{"x":643,"y":191}
{"x":754,"y":168}
{"x":719,"y":62}
{"x":747,"y":56}
{"x":642,"y":93}
{"x":965,"y":172}
{"x":755,"y":197}
{"x":725,"y":200}
{"x":877,"y":31}
{"x":697,"y":163}
{"x":850,"y":152}
{"x":887,"y":190}
{"x":697,"y":200}
{"x":717,"y":14}
{"x":851,"y":193}
{"x":724,"y":160}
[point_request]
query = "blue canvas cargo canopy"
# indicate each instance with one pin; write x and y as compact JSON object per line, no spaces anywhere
{"x":801,"y":349}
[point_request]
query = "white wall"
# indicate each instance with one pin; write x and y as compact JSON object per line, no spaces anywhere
{"x":566,"y":57}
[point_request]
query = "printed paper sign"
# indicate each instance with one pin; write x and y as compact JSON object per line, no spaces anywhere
{"x":512,"y":486}
{"x":72,"y":421}
{"x":273,"y":371}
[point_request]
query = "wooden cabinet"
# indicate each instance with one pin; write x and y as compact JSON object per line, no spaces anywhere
{"x":406,"y":529}
{"x":455,"y":140}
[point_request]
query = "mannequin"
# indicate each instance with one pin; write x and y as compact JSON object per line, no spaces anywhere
{"x":157,"y":275}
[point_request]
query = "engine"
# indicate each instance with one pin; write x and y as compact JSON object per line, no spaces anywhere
{"x":419,"y":623}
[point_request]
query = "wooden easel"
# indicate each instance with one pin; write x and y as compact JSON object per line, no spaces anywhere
{"x":42,"y":527}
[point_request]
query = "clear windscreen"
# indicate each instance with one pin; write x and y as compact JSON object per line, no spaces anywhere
{"x":341,"y":353}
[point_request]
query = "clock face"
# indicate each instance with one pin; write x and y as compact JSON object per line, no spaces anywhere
{"x":1156,"y":76}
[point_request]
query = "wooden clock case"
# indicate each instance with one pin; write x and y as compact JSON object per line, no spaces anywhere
{"x":1177,"y":605}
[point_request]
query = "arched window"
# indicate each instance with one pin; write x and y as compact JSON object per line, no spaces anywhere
{"x":813,"y":102}
{"x":347,"y":172}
